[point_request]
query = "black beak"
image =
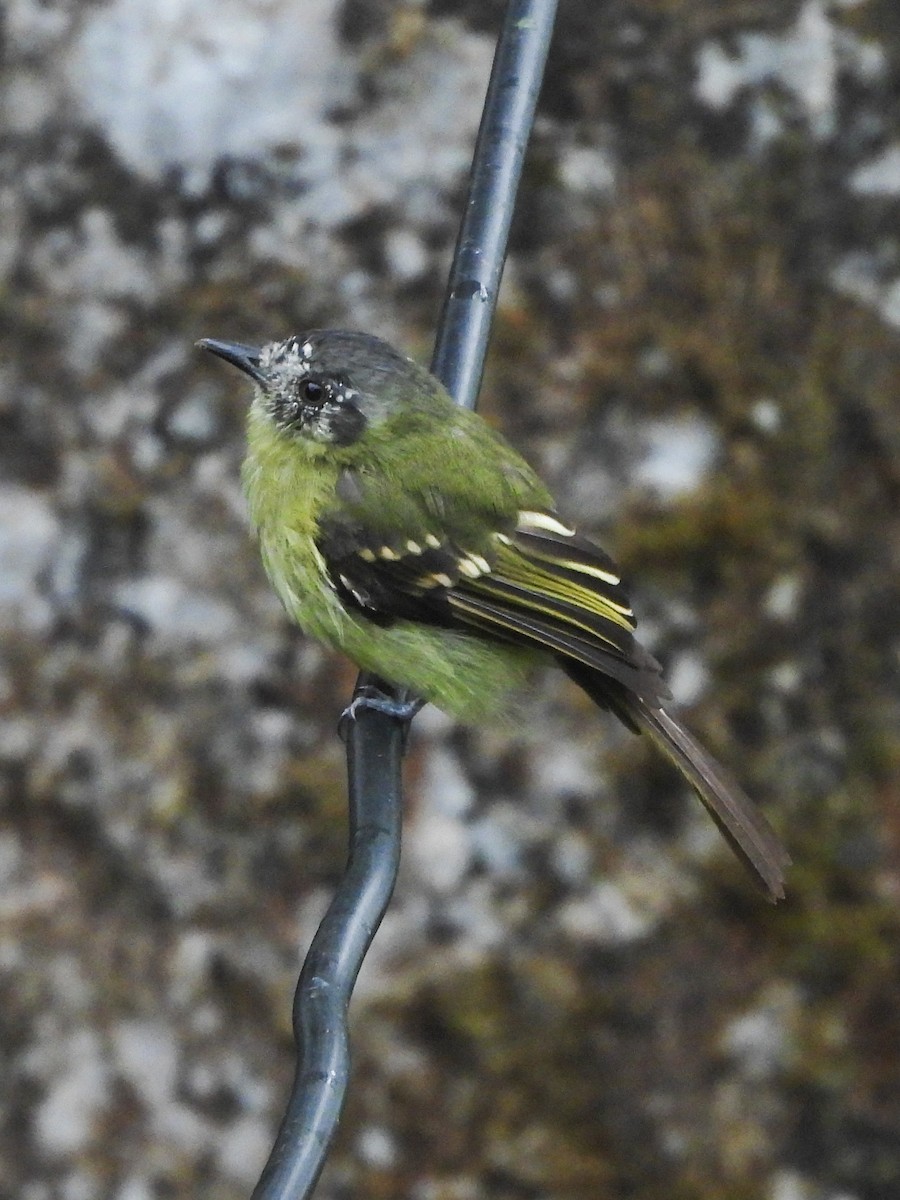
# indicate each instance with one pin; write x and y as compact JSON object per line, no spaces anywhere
{"x":245,"y":358}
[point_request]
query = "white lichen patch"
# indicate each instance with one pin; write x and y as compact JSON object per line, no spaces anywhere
{"x":678,"y":457}
{"x":804,"y":61}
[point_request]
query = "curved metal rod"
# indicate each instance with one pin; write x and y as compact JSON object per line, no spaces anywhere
{"x":374,"y":748}
{"x":375,"y":741}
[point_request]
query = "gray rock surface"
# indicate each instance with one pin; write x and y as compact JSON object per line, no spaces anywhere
{"x":574,"y":994}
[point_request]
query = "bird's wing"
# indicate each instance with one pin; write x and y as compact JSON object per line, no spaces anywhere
{"x":533,"y":580}
{"x":528,"y":578}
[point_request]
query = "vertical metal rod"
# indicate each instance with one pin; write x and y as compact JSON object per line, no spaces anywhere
{"x":471,"y":297}
{"x":374,"y":741}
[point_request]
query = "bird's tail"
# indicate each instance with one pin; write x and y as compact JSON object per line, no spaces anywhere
{"x":745,"y":828}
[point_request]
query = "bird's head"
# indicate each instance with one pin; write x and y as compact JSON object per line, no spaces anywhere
{"x":328,"y":386}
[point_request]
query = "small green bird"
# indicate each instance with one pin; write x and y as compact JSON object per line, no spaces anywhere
{"x":402,"y":530}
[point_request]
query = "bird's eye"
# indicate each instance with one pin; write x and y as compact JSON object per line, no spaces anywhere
{"x":310,"y":390}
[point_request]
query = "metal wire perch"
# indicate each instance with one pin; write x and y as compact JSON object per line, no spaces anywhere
{"x":375,"y":740}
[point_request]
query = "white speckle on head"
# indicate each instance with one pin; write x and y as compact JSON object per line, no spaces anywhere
{"x":413,"y":547}
{"x":321,"y":430}
{"x":289,"y":353}
{"x":432,"y":541}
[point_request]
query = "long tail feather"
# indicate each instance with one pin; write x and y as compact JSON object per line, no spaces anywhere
{"x":745,"y":828}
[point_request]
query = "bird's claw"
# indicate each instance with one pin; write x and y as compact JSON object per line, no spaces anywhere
{"x":376,"y":701}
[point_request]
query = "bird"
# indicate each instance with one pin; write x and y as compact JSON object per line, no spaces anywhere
{"x":404,"y":531}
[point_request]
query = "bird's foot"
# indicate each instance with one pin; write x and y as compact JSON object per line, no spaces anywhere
{"x":372,"y":699}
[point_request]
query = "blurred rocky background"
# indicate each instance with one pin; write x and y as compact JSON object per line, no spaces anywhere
{"x":576,"y":994}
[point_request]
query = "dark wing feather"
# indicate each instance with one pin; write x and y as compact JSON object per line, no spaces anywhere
{"x":538,"y":583}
